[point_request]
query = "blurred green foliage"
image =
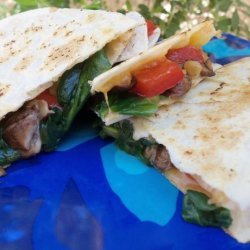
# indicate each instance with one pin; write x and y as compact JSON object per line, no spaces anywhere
{"x":229,"y":15}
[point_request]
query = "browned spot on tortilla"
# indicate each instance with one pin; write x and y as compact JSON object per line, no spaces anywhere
{"x":179,"y":125}
{"x":217,"y":133}
{"x":62,"y":30}
{"x":23,"y":63}
{"x":36,"y":28}
{"x":9,"y":44}
{"x":214,"y":132}
{"x":3,"y":89}
{"x":211,"y":118}
{"x":216,"y":170}
{"x":202,"y":135}
{"x":2,"y":59}
{"x":81,"y":39}
{"x":90,"y":18}
{"x":188,"y":152}
{"x":6,"y":57}
{"x":107,"y":30}
{"x":218,"y":89}
{"x":44,"y":45}
{"x":32,"y":29}
{"x":11,"y":48}
{"x":62,"y":53}
{"x":172,"y":140}
{"x":28,"y":42}
{"x":68,"y":33}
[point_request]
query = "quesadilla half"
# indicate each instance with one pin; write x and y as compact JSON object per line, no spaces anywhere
{"x":201,"y":144}
{"x":159,"y":76}
{"x":47,"y":57}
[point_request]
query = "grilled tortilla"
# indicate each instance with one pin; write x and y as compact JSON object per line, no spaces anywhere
{"x":58,"y":50}
{"x":122,"y":76}
{"x":38,"y":46}
{"x":202,"y":144}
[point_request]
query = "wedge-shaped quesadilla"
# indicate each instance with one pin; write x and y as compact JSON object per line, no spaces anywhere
{"x":47,"y":57}
{"x":142,"y":37}
{"x":159,"y":76}
{"x":202,"y":145}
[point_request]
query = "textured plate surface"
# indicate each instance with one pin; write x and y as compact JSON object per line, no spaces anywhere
{"x":90,"y":195}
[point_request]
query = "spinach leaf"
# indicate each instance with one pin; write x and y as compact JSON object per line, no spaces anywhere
{"x":93,"y":67}
{"x":67,"y":84}
{"x":128,"y":104}
{"x":52,"y":130}
{"x":196,"y":209}
{"x":72,"y":97}
{"x":122,"y":132}
{"x":7,"y":154}
{"x":101,"y":108}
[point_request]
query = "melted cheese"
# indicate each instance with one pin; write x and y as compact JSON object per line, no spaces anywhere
{"x":108,"y":80}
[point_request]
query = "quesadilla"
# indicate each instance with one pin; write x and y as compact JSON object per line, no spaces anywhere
{"x":47,"y":57}
{"x":159,"y":76}
{"x":141,"y":37}
{"x":201,"y":144}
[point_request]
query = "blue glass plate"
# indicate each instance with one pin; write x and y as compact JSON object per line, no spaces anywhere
{"x":90,"y":195}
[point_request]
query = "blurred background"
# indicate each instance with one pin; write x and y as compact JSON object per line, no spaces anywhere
{"x":230,"y":15}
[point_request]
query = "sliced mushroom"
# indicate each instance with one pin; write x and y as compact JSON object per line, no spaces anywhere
{"x":158,"y":157}
{"x":207,"y":67}
{"x":21,"y":128}
{"x":181,"y":88}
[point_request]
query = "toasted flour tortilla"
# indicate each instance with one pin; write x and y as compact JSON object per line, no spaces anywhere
{"x":122,"y":48}
{"x":197,"y":36}
{"x":38,"y":46}
{"x":207,"y":135}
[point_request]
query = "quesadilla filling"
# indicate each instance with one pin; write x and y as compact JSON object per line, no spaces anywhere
{"x":169,"y":77}
{"x":41,"y":123}
{"x":197,"y":206}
